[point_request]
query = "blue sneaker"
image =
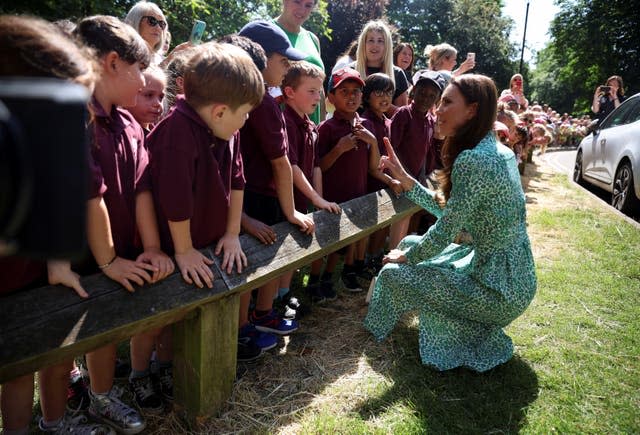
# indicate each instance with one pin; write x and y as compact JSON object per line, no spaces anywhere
{"x":263,"y":340}
{"x":272,"y":322}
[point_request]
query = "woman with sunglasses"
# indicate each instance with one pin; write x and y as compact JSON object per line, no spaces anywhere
{"x":149,"y":21}
{"x":516,"y":89}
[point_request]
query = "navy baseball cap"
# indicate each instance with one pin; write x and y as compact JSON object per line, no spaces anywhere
{"x":431,"y":76}
{"x":272,"y":39}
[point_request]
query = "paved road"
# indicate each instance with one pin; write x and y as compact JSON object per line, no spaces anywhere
{"x":561,"y":160}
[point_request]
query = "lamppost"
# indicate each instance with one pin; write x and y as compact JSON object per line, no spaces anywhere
{"x":524,"y":36}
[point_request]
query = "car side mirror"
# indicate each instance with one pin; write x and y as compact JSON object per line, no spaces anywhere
{"x":594,"y":126}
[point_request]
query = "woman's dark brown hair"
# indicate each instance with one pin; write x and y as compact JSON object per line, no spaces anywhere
{"x":34,"y":47}
{"x":398,"y":48}
{"x":105,"y":34}
{"x":477,"y":89}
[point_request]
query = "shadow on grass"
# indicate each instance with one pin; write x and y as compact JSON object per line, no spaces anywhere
{"x":454,"y":401}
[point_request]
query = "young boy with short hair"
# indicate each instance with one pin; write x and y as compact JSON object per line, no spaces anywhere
{"x":348,"y":152}
{"x":412,"y":129}
{"x":269,"y":188}
{"x":196,"y":164}
{"x":302,"y":91}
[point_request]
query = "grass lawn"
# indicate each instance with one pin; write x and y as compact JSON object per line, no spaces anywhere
{"x":576,"y":367}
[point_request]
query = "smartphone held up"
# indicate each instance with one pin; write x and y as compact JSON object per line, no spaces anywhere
{"x":197,"y":32}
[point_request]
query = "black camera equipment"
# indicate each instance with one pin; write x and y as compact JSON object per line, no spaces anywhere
{"x":43,"y":167}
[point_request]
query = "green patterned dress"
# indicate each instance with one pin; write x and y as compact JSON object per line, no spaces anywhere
{"x":464,"y":294}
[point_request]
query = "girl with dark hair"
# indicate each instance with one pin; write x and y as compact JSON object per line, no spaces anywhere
{"x":465,"y":294}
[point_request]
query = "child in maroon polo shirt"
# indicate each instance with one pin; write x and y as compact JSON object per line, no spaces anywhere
{"x":269,"y":188}
{"x":376,"y":98}
{"x":122,"y":220}
{"x":197,"y":168}
{"x":302,"y":90}
{"x":412,"y":135}
{"x":348,"y":153}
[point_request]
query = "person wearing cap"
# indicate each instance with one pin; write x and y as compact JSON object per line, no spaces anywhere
{"x":510,"y":102}
{"x":268,"y":197}
{"x":412,"y":129}
{"x":348,"y":153}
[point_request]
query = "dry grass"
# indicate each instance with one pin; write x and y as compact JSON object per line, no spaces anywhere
{"x":327,"y":365}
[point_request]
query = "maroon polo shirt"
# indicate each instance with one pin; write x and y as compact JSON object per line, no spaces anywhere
{"x":19,"y":272}
{"x":302,"y":134}
{"x":381,"y":129}
{"x":264,"y":138}
{"x":411,"y":135}
{"x":193,"y":173}
{"x":120,"y":162}
{"x":347,"y":177}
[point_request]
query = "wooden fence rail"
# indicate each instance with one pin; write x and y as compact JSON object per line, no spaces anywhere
{"x":48,"y":325}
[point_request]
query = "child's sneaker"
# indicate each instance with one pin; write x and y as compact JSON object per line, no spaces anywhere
{"x":163,"y":381}
{"x":350,"y":282}
{"x":263,"y":340}
{"x":272,"y":322}
{"x":315,"y":293}
{"x":77,"y":394}
{"x":145,"y":395}
{"x":112,"y":411}
{"x":248,"y":350}
{"x":326,"y":286}
{"x":76,"y":425}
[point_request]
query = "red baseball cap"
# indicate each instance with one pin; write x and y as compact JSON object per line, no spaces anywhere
{"x":343,"y":74}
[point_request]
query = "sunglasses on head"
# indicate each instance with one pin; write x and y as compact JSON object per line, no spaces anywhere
{"x":153,"y":22}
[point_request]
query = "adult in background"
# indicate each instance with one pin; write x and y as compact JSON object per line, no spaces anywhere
{"x":375,"y":54}
{"x":347,"y":57}
{"x":403,"y":58}
{"x":464,"y":294}
{"x":149,"y":21}
{"x":608,"y":97}
{"x":294,"y":14}
{"x":516,"y":88}
{"x":442,"y":58}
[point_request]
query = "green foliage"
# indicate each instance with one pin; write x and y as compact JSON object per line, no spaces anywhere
{"x":222,"y":16}
{"x":346,"y":20}
{"x":466,"y":24}
{"x":591,"y":40}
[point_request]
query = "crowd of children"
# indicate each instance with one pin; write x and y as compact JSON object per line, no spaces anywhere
{"x":190,"y":155}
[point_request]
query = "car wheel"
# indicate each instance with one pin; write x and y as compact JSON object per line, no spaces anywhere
{"x":623,"y":197}
{"x":577,"y":169}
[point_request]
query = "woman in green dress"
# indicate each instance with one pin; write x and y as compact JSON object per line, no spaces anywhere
{"x":464,"y":294}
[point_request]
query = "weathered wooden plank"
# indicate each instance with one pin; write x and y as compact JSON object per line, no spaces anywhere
{"x":204,"y":362}
{"x":50,"y":324}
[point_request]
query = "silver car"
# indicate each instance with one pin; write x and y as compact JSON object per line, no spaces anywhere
{"x":609,"y":157}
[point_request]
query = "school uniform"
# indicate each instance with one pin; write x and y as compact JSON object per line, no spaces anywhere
{"x":302,"y":134}
{"x":120,"y":162}
{"x":347,"y":177}
{"x":381,"y":129}
{"x":193,"y":173}
{"x":264,"y":138}
{"x":411,"y":136}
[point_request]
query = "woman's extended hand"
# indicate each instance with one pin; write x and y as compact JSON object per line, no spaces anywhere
{"x":395,"y":256}
{"x":393,"y":165}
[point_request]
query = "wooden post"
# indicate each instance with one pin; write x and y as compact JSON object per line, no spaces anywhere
{"x":205,"y":347}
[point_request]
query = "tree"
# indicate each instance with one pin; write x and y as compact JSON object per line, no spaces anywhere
{"x":222,"y":16}
{"x":590,"y":41}
{"x":468,"y":25}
